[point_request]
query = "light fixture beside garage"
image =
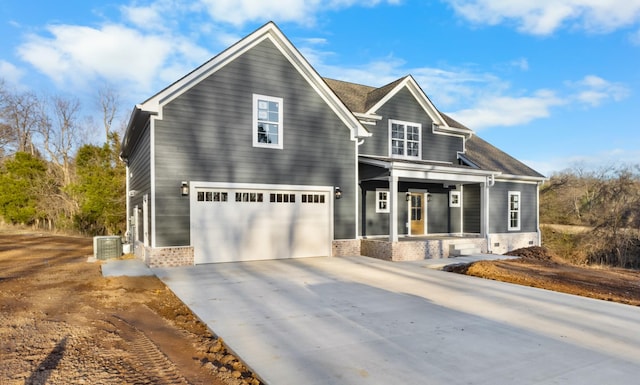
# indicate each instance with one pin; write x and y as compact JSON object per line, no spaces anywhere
{"x":184,"y":188}
{"x":338,"y":193}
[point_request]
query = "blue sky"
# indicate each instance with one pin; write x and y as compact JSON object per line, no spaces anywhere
{"x":554,"y":83}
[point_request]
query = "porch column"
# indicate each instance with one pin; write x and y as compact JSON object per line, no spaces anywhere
{"x":484,"y":212}
{"x":393,"y":207}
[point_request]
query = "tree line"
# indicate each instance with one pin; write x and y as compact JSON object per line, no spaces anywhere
{"x":51,"y":176}
{"x":606,"y":202}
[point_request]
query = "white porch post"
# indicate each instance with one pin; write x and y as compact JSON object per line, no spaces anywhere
{"x":393,"y":207}
{"x":484,"y":212}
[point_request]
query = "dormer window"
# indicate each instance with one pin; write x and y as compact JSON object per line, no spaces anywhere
{"x":405,"y":139}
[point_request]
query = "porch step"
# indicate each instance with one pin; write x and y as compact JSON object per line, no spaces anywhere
{"x":460,"y":249}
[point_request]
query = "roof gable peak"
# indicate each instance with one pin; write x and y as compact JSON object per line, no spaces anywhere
{"x":271,"y":32}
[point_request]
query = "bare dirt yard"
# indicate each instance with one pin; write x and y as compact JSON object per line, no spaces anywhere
{"x":537,"y":268}
{"x":61,"y":322}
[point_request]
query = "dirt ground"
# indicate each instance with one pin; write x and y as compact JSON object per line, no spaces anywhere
{"x":537,"y":268}
{"x":61,"y":322}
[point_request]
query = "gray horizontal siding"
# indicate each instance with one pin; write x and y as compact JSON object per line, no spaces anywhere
{"x":498,"y":207}
{"x":206,"y":135}
{"x":438,"y":213}
{"x":471,"y":209}
{"x":140,"y":174}
{"x":372,"y":223}
{"x":140,"y":165}
{"x":403,"y":106}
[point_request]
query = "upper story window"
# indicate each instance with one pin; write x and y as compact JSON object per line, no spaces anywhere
{"x":514,"y":210}
{"x":267,"y":121}
{"x":404,"y":139}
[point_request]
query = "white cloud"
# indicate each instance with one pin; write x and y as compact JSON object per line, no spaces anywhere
{"x":500,"y":107}
{"x":499,"y":110}
{"x":545,"y":17}
{"x":76,"y":55}
{"x":10,"y":73}
{"x":477,"y":99}
{"x":238,"y":12}
{"x":594,"y":90}
{"x":144,"y":17}
{"x":521,"y":64}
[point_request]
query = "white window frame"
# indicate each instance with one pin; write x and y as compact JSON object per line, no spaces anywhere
{"x":405,"y":140}
{"x":517,"y":210}
{"x":379,"y":200}
{"x":455,"y":202}
{"x":256,"y":100}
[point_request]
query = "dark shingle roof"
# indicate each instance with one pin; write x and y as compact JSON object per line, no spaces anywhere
{"x":488,"y":157}
{"x":353,"y":95}
{"x":377,"y":94}
{"x":359,"y":98}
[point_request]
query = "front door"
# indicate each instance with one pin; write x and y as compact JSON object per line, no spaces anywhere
{"x":417,"y":214}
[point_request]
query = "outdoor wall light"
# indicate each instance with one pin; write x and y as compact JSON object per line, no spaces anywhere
{"x":338,"y":193}
{"x":184,"y":188}
{"x":408,"y":196}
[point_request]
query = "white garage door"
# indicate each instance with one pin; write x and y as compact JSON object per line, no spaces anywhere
{"x":244,"y":224}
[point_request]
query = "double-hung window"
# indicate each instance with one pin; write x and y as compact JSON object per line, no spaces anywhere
{"x":514,"y":210}
{"x":404,"y":139}
{"x":382,"y":201}
{"x":267,"y":121}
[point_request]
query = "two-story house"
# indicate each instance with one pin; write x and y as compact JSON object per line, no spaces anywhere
{"x":253,"y":155}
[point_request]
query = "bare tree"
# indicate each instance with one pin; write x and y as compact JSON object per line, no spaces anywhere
{"x":6,"y":133}
{"x":62,"y":134}
{"x":108,"y":101}
{"x":21,"y":117}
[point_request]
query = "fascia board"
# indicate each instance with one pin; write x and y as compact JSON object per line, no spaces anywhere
{"x":520,"y":178}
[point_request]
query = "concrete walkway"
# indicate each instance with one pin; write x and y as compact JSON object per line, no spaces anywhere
{"x":359,"y":320}
{"x":125,"y":267}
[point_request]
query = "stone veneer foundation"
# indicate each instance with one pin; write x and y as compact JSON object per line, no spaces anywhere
{"x":165,"y":256}
{"x":345,"y":248}
{"x":415,"y":250}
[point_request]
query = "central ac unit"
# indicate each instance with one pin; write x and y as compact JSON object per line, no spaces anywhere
{"x":106,"y":247}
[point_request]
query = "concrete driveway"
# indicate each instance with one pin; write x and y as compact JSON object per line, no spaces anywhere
{"x":359,"y":320}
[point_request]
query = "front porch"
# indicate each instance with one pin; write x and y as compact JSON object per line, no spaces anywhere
{"x":424,"y":247}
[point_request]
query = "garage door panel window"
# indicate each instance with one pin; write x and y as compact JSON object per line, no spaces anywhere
{"x":313,"y":198}
{"x":212,"y":196}
{"x":282,"y":198}
{"x":249,"y":197}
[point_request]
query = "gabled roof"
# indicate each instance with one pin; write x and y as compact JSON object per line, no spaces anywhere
{"x":478,"y":153}
{"x":269,"y":31}
{"x":365,"y":100}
